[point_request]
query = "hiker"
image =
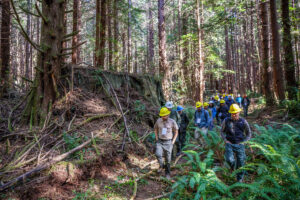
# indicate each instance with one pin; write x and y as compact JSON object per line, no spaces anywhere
{"x":245,"y":103}
{"x":216,"y":101}
{"x":213,"y":110}
{"x":182,"y":129}
{"x":201,"y":119}
{"x":238,"y":100}
{"x":235,"y":130}
{"x":174,"y":114}
{"x":165,"y":139}
{"x":230,"y":101}
{"x":222,"y":112}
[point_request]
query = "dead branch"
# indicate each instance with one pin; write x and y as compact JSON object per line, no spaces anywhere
{"x":159,"y":196}
{"x":121,"y":110}
{"x":71,"y":34}
{"x":134,"y":190}
{"x":28,"y":12}
{"x":23,"y":32}
{"x":44,"y":166}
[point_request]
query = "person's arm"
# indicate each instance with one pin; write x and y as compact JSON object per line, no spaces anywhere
{"x":223,"y":134}
{"x":175,"y":136}
{"x":247,"y":131}
{"x":175,"y":130}
{"x":156,"y":131}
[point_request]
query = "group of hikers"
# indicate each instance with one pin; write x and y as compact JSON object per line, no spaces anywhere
{"x":170,"y":129}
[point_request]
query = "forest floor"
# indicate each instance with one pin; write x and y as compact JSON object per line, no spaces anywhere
{"x":101,"y":170}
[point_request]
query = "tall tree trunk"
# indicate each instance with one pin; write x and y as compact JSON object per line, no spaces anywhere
{"x":102,"y":35}
{"x":49,"y":62}
{"x":200,"y":72}
{"x":116,"y":34}
{"x":289,"y":63}
{"x":79,"y":25}
{"x":97,"y":41}
{"x":278,"y":72}
{"x":163,"y":63}
{"x":5,"y":47}
{"x":27,"y":45}
{"x":110,"y":46}
{"x":265,"y":54}
{"x":129,"y":57}
{"x":75,"y":29}
{"x":151,"y":40}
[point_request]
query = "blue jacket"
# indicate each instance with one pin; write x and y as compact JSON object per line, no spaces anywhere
{"x":229,"y":102}
{"x":201,"y":118}
{"x":213,"y":111}
{"x":238,"y":99}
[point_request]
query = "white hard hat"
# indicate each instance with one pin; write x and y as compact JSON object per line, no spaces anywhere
{"x":169,"y":104}
{"x":211,"y":102}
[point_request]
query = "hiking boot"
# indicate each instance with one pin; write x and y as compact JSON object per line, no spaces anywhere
{"x":178,"y":154}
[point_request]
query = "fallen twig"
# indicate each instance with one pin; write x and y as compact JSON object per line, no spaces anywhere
{"x":159,"y":196}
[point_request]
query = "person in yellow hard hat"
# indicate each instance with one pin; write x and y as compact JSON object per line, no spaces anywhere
{"x":165,"y":139}
{"x":201,"y":119}
{"x":222,"y":111}
{"x":234,"y":131}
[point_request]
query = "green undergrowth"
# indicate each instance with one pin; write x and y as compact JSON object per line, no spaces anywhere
{"x":273,"y":168}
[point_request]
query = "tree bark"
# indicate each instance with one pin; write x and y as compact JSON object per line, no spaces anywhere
{"x":75,"y":29}
{"x":27,"y":45}
{"x":151,"y":40}
{"x":277,"y":72}
{"x":116,"y":34}
{"x":110,"y":46}
{"x":129,"y":57}
{"x":163,"y":63}
{"x":5,"y":47}
{"x":102,"y":35}
{"x":265,"y":56}
{"x":288,"y":56}
{"x":97,"y":41}
{"x":49,"y":62}
{"x":200,"y":87}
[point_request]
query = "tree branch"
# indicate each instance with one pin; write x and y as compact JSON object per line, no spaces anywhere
{"x":75,"y":47}
{"x":71,"y":34}
{"x":23,"y":32}
{"x":28,"y":12}
{"x":41,"y":14}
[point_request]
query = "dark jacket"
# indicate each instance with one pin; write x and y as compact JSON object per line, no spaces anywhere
{"x":246,"y":101}
{"x":229,"y":102}
{"x":222,"y":112}
{"x":175,"y":115}
{"x":233,"y":131}
{"x":184,"y":122}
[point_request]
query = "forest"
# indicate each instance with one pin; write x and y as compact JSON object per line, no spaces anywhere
{"x":87,"y":87}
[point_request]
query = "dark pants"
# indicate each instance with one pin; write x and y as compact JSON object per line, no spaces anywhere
{"x":235,"y":156}
{"x":245,"y":111}
{"x":180,"y":141}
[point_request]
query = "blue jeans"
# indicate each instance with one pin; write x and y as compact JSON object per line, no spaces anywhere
{"x":238,"y":151}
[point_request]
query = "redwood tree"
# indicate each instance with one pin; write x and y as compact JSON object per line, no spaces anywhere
{"x":265,"y":56}
{"x":278,"y":72}
{"x":288,"y":56}
{"x":75,"y":29}
{"x":163,"y":63}
{"x":5,"y":47}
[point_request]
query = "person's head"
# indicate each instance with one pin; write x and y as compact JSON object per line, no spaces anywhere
{"x":245,"y":95}
{"x":179,"y":109}
{"x":206,"y":105}
{"x":222,"y":102}
{"x":239,"y":95}
{"x":169,"y":105}
{"x":198,"y":105}
{"x":164,"y":113}
{"x":229,"y":97}
{"x":235,"y":110}
{"x":211,"y":104}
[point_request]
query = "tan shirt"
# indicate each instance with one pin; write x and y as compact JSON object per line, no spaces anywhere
{"x":166,"y":128}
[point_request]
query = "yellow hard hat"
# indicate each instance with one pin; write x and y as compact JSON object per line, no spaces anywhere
{"x":222,"y":101}
{"x":234,"y":108}
{"x":206,"y":104}
{"x":216,"y":97}
{"x":164,"y":112}
{"x":224,"y":95}
{"x":198,"y":104}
